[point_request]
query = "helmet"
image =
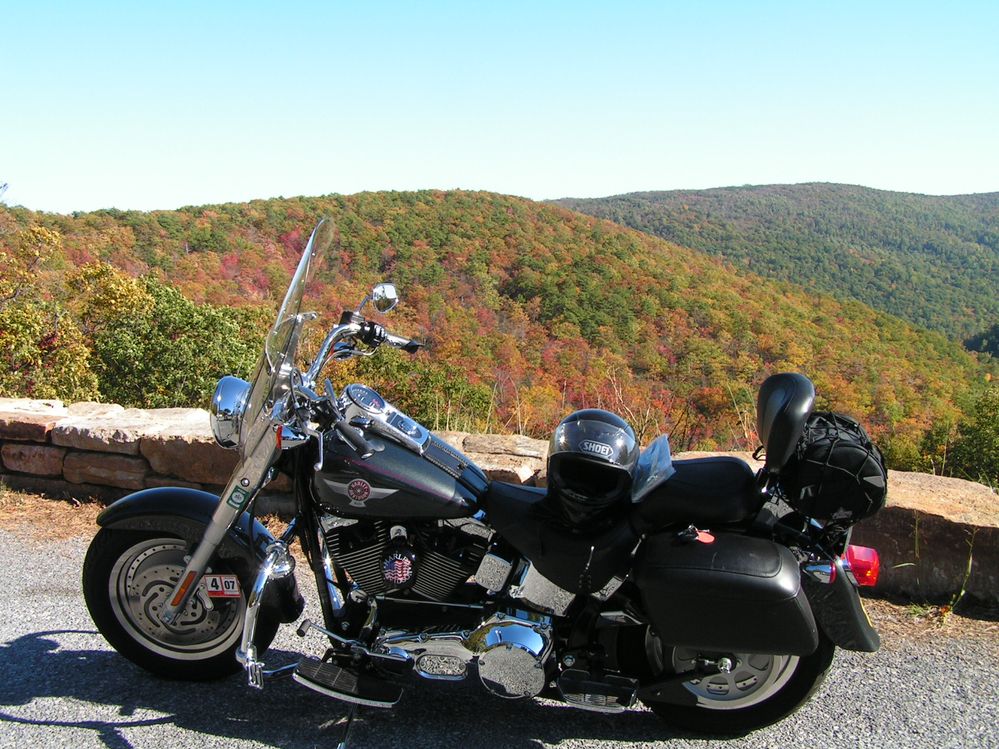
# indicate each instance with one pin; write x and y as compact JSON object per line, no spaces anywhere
{"x":591,"y":465}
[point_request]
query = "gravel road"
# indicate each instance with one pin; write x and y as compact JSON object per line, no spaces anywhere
{"x":63,"y":686}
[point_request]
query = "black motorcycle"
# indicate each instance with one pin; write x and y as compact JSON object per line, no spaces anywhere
{"x":713,"y":595}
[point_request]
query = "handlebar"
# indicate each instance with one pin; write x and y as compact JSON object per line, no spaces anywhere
{"x":374,"y":334}
{"x":351,"y":326}
{"x":327,"y":413}
{"x":408,"y":345}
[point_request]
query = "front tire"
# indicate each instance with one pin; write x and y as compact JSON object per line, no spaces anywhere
{"x":758,"y":691}
{"x":127,"y":576}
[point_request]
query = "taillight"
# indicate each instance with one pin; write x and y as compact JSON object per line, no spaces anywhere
{"x":864,"y":564}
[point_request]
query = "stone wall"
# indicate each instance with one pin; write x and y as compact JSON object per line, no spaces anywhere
{"x":930,"y":533}
{"x":104,"y":450}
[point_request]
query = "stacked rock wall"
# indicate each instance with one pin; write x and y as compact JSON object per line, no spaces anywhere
{"x":105,"y":450}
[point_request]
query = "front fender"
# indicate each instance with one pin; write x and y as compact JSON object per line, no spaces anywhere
{"x":186,"y":513}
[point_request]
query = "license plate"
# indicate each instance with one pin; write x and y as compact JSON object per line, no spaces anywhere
{"x":221,"y":586}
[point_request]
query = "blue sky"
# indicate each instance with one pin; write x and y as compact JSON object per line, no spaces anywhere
{"x":142,"y":105}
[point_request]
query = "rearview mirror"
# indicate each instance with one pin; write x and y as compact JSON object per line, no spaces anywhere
{"x":384,"y":297}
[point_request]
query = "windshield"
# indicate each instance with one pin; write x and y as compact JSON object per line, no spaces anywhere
{"x":655,"y":465}
{"x":272,"y":378}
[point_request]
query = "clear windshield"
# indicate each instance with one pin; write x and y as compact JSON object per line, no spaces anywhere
{"x":655,"y":465}
{"x":272,"y":378}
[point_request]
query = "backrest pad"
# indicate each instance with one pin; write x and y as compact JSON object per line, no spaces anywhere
{"x":782,"y":408}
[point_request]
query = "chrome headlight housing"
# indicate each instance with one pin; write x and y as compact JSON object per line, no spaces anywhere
{"x":228,"y":406}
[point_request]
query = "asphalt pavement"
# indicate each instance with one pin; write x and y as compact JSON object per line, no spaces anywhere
{"x":62,"y":685}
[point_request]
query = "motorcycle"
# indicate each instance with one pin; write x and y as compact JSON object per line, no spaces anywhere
{"x":713,"y":595}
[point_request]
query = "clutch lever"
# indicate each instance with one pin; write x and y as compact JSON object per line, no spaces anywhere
{"x":354,"y":438}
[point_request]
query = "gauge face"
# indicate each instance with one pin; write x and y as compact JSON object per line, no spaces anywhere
{"x":366,"y":398}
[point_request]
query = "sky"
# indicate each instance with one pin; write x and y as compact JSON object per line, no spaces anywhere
{"x":160,"y":105}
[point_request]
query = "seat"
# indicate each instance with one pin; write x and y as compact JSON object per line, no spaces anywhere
{"x":702,"y":491}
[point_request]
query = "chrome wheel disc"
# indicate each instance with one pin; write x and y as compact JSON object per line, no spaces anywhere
{"x":753,"y":678}
{"x":139,"y":585}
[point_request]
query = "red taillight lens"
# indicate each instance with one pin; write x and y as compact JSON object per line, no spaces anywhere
{"x":864,"y":564}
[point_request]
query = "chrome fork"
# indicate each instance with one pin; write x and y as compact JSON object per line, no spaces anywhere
{"x":277,"y":564}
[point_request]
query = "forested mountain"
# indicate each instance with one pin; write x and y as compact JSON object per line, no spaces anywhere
{"x":530,"y":311}
{"x":932,"y":260}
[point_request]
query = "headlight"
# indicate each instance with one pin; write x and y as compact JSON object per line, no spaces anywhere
{"x":228,"y":405}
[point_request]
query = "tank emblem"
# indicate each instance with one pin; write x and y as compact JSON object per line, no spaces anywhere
{"x":358,"y":492}
{"x":596,"y":448}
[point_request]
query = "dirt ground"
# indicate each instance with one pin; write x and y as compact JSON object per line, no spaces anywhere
{"x":37,"y":520}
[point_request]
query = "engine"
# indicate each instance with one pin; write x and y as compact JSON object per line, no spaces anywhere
{"x":429,"y":558}
{"x":509,"y":650}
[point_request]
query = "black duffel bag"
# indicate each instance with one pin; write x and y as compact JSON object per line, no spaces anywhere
{"x":836,"y":472}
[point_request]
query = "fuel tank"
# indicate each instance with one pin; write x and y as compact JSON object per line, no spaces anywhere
{"x":398,"y":483}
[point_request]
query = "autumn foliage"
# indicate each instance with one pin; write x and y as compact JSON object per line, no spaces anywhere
{"x":530,"y":311}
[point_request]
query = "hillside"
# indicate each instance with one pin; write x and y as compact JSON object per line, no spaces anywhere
{"x":931,"y":260}
{"x":530,"y":311}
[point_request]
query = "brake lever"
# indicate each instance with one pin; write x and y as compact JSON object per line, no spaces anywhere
{"x":320,"y":458}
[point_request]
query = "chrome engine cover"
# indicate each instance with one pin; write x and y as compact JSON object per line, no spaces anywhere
{"x":510,"y":651}
{"x":512,"y":656}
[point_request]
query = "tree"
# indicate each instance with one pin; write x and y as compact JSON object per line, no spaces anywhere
{"x":986,"y":342}
{"x":153,"y":348}
{"x":42,"y":352}
{"x":976,"y":453}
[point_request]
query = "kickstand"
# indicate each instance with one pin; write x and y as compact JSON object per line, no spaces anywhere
{"x":351,"y":714}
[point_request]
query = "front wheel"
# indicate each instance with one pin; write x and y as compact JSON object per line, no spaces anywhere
{"x":757,"y":690}
{"x":127,"y":576}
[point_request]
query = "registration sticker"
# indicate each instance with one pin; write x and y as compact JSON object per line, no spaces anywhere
{"x":221,"y":586}
{"x":238,"y":498}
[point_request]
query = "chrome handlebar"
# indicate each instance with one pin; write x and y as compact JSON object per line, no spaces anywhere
{"x":338,"y":345}
{"x":339,"y":333}
{"x":368,"y":332}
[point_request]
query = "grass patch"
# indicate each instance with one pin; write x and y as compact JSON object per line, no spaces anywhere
{"x":46,"y":518}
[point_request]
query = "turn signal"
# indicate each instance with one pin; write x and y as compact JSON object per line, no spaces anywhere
{"x":864,"y":564}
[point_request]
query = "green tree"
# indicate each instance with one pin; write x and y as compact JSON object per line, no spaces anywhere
{"x":42,"y":352}
{"x":153,"y":348}
{"x":976,"y":452}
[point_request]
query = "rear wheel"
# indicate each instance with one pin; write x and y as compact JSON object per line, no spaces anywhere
{"x":127,"y":577}
{"x":754,"y":692}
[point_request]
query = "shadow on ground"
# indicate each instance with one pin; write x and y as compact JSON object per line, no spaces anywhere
{"x":106,"y":694}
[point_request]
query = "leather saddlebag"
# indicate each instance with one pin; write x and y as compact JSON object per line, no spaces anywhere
{"x":725,"y":593}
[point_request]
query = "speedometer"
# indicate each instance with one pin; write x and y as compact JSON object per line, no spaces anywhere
{"x":366,"y":398}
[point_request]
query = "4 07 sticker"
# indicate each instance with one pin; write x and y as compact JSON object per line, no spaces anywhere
{"x":221,"y":586}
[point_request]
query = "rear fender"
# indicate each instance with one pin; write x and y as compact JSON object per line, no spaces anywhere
{"x":840,"y":613}
{"x":186,"y":513}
